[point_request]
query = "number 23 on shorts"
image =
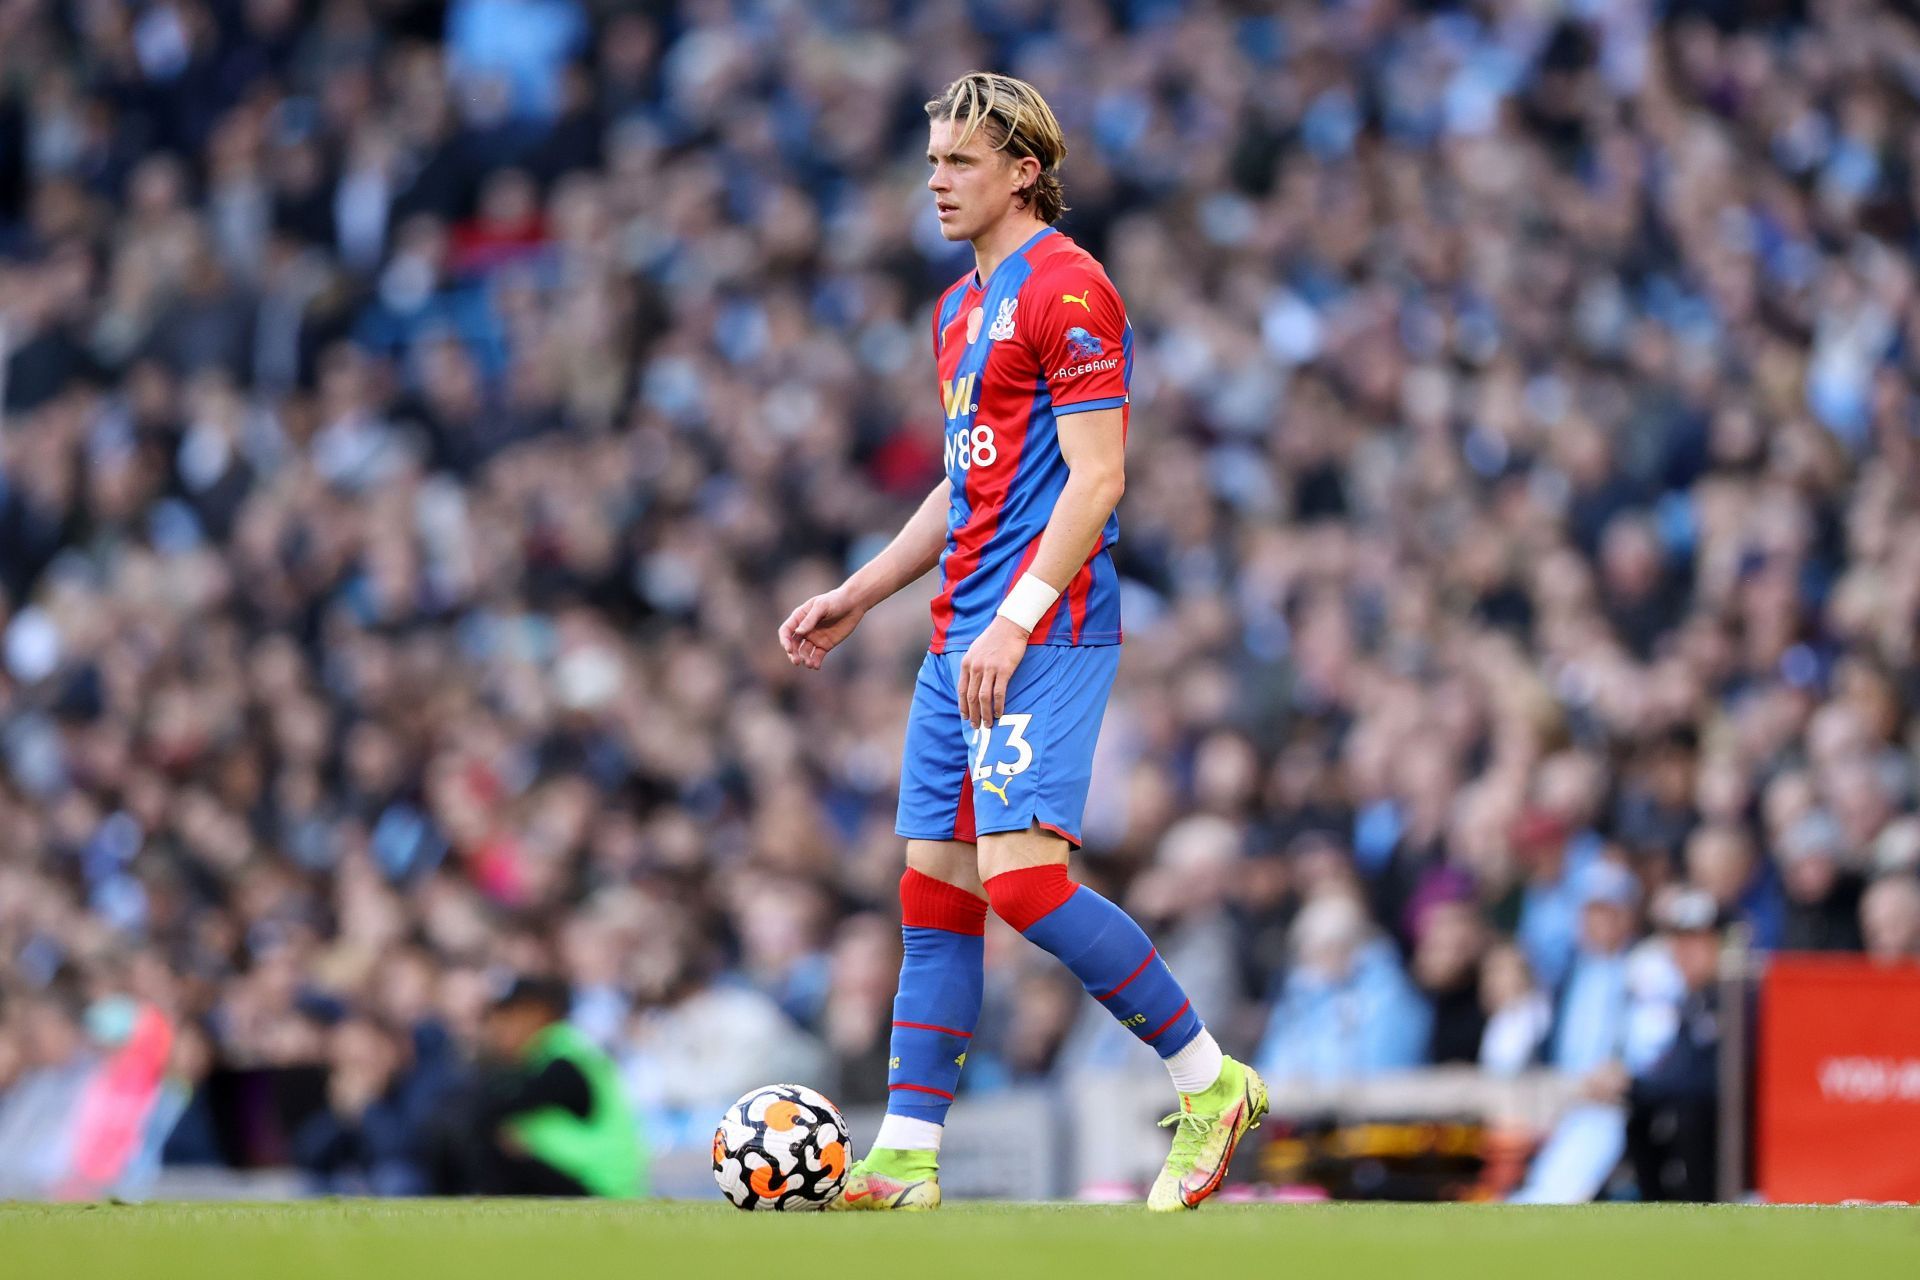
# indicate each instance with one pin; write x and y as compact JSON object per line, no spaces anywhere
{"x":1016,"y":740}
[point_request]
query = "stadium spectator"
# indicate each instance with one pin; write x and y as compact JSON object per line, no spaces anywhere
{"x":1823,"y":894}
{"x":55,"y":1065}
{"x":1673,"y":1104}
{"x":1549,"y":924}
{"x":1591,"y":1031}
{"x":364,"y":1142}
{"x":1449,"y":948}
{"x":1347,"y":1010}
{"x":1519,"y":1015}
{"x":1890,"y":919}
{"x":549,"y":1117}
{"x":1721,"y":860}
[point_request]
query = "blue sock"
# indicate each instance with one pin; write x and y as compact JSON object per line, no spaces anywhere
{"x":938,"y":1004}
{"x":1103,"y":947}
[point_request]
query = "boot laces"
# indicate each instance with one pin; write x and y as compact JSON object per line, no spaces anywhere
{"x":1190,"y":1134}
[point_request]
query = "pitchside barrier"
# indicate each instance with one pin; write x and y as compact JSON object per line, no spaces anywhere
{"x":1838,"y":1081}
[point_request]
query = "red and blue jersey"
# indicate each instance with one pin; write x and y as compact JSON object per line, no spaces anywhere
{"x":1045,"y":336}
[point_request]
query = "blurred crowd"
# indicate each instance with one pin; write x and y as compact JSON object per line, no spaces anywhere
{"x":418,"y":417}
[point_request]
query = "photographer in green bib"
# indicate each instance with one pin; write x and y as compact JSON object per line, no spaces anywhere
{"x":555,"y":1121}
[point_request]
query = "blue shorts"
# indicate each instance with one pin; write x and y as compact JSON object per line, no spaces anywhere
{"x":1033,"y":766}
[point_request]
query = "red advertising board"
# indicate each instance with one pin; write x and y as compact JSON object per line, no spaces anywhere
{"x":1839,"y":1081}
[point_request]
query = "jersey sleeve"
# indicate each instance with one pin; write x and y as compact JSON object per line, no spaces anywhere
{"x":1081,"y":339}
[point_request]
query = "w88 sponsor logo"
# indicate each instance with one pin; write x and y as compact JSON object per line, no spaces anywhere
{"x":967,"y":449}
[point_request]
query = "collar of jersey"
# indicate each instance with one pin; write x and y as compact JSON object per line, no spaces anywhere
{"x":1032,"y":240}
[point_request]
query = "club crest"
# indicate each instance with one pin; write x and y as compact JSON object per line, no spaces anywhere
{"x":1002,"y":327}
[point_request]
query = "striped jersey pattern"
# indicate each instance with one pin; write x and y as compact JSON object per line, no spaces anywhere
{"x":1044,"y":337}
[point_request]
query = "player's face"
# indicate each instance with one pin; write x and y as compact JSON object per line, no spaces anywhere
{"x":972,"y":185}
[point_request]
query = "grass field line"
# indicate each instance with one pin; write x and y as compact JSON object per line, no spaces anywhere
{"x":524,"y":1240}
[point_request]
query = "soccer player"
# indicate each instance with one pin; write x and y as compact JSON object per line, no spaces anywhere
{"x":1034,"y":354}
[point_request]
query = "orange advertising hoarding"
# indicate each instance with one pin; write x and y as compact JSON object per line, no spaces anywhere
{"x":1839,"y":1081}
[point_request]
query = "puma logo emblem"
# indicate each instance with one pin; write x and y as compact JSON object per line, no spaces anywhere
{"x":1000,"y":789}
{"x":1082,"y":300}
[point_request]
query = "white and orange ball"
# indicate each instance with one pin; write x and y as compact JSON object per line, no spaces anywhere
{"x":782,"y":1147}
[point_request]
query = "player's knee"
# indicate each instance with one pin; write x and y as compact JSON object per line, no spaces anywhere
{"x":927,"y":903}
{"x":1002,"y":851}
{"x":953,"y":861}
{"x":1025,"y":894}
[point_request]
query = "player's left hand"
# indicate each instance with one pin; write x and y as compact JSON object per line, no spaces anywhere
{"x":988,"y":669}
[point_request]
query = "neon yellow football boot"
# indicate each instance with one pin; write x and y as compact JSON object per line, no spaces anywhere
{"x":892,"y":1180}
{"x":1206,"y":1132}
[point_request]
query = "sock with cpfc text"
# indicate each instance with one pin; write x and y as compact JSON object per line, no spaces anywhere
{"x":1114,"y":961}
{"x":943,"y":929}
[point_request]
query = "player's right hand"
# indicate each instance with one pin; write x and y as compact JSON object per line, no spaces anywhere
{"x":818,"y":625}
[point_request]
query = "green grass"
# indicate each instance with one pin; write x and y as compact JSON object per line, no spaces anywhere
{"x":480,"y":1240}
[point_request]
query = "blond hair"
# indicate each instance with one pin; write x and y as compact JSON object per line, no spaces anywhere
{"x":1019,"y":122}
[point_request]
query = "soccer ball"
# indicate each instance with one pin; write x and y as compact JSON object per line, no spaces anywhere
{"x":781,"y":1146}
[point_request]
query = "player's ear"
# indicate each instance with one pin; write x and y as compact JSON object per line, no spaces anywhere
{"x":1026,"y":173}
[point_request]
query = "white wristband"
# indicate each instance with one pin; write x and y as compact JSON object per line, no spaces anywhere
{"x":1030,"y":598}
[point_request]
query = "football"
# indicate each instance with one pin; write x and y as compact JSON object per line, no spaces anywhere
{"x":782,"y":1147}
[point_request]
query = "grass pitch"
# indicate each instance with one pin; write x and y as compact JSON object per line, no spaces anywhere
{"x":535,"y":1240}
